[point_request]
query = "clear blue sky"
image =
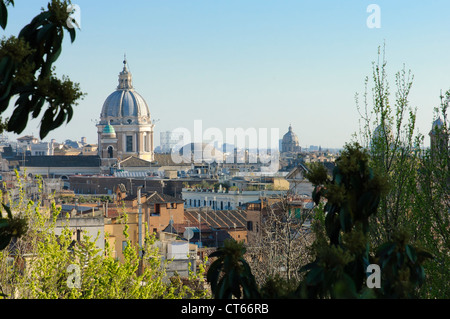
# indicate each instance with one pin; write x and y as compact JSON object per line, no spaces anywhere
{"x":249,"y":63}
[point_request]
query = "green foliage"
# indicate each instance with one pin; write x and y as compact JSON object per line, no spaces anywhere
{"x":12,"y":226}
{"x":27,"y":72}
{"x":38,"y":264}
{"x":230,"y":275}
{"x":402,"y":267}
{"x":432,"y":204}
{"x":317,"y":174}
{"x":418,"y":180}
{"x":342,"y":257}
{"x":278,"y":287}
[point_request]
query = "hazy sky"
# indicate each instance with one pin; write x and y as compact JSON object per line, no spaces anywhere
{"x":249,"y":63}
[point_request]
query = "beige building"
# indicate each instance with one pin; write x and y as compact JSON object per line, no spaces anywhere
{"x":158,"y":210}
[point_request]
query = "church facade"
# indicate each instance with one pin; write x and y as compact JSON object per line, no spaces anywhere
{"x":125,"y":128}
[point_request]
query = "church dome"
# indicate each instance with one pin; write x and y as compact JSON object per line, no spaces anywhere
{"x":290,"y":142}
{"x":290,"y":137}
{"x":109,"y":130}
{"x":378,"y":133}
{"x":438,"y":124}
{"x":125,"y":105}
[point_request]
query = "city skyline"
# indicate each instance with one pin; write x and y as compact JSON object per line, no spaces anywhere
{"x":249,"y":64}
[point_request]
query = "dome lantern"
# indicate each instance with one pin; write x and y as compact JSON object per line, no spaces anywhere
{"x":125,"y":78}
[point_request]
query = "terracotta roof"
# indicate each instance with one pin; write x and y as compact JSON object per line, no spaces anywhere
{"x":219,"y":218}
{"x":181,"y":227}
{"x":133,"y":161}
{"x":156,"y":197}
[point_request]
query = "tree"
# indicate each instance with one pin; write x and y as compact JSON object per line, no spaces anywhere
{"x":342,"y":245}
{"x":418,"y":180}
{"x":280,"y":247}
{"x":27,"y":72}
{"x":230,"y":275}
{"x":433,"y":207}
{"x":394,"y":147}
{"x":45,"y":263}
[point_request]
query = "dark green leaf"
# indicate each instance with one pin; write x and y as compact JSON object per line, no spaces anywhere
{"x":8,"y":211}
{"x":315,"y":276}
{"x":38,"y":107}
{"x":4,"y":241}
{"x":316,"y":194}
{"x":338,"y":179}
{"x":72,"y":34}
{"x":345,"y":219}
{"x":308,"y":266}
{"x":3,"y":15}
{"x":411,"y":253}
{"x":19,"y":118}
{"x":44,"y":32}
{"x":385,"y":249}
{"x":46,"y":123}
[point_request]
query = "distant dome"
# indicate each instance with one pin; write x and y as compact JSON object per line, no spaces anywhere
{"x":438,"y":124}
{"x":125,"y":105}
{"x":109,"y":130}
{"x":199,"y":151}
{"x":378,"y":132}
{"x":290,"y":142}
{"x":290,"y":136}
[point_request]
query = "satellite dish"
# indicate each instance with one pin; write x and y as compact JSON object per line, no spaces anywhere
{"x":188,"y":233}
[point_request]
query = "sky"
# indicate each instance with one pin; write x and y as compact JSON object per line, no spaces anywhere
{"x":248,"y":63}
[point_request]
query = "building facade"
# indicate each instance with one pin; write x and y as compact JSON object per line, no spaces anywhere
{"x":223,"y":200}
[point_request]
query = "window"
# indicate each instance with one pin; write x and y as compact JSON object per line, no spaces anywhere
{"x":110,"y":151}
{"x":146,"y":143}
{"x":157,"y":210}
{"x":124,"y":245}
{"x":129,"y":147}
{"x":249,"y":225}
{"x":171,"y":205}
